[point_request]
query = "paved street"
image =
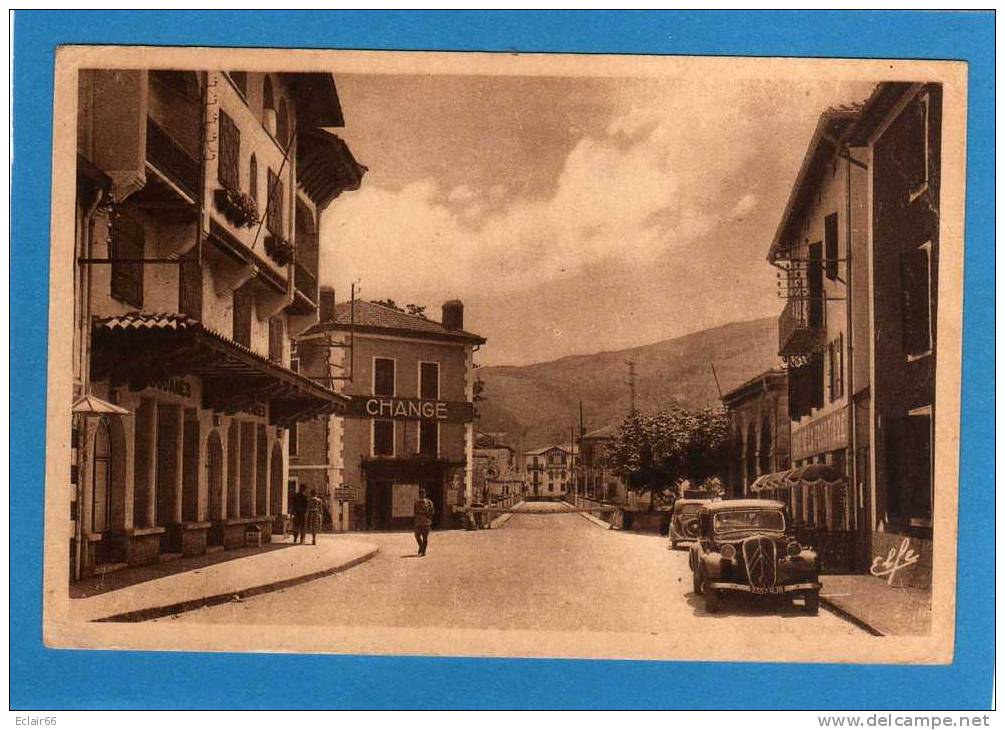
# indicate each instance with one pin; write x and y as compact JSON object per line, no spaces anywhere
{"x":558,"y":572}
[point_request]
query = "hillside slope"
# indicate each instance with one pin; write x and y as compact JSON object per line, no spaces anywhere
{"x":540,"y":402}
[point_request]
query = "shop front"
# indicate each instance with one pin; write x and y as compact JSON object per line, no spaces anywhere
{"x":392,"y":486}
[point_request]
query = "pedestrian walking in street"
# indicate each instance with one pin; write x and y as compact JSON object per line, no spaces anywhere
{"x":314,"y":516}
{"x":423,"y":511}
{"x":299,"y":508}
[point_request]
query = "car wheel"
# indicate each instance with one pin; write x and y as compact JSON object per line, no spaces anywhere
{"x":711,"y":598}
{"x":811,"y":600}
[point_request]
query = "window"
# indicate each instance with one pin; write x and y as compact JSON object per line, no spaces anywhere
{"x":914,"y":160}
{"x":817,"y":379}
{"x":909,"y":468}
{"x":831,"y":245}
{"x":127,"y":243}
{"x":429,"y":380}
{"x":276,"y":332}
{"x":294,"y":439}
{"x":228,"y":163}
{"x":835,"y":368}
{"x":243,"y":302}
{"x":240,"y":79}
{"x":253,"y":179}
{"x":190,"y":285}
{"x":383,"y":437}
{"x":429,"y":438}
{"x":283,"y":124}
{"x":274,"y":215}
{"x":383,"y":376}
{"x":916,"y":302}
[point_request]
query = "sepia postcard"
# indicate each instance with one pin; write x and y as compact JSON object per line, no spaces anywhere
{"x":527,"y":355}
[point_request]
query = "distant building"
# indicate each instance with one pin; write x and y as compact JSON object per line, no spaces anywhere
{"x":410,"y":384}
{"x":496,"y":469}
{"x":548,"y":470}
{"x":600,"y":482}
{"x":759,"y":430}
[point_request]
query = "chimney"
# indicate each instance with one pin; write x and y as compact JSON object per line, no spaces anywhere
{"x":327,"y":303}
{"x":453,"y":315}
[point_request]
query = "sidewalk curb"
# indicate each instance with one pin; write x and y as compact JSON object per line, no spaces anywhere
{"x":849,"y":617}
{"x":146,"y":614}
{"x":590,"y":518}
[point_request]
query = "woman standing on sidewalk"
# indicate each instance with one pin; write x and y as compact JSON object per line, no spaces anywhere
{"x":314,"y":512}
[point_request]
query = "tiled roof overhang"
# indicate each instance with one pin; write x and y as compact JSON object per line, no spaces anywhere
{"x":317,"y":99}
{"x":139,"y":349}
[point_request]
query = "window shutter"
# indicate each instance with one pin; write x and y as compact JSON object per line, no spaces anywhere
{"x":228,"y":172}
{"x":190,"y":286}
{"x":276,"y":339}
{"x":817,"y":379}
{"x":127,"y":243}
{"x":243,"y":301}
{"x":831,"y":245}
{"x":253,"y":179}
{"x":274,"y":219}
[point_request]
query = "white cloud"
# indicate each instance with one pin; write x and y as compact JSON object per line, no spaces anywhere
{"x":654,"y":180}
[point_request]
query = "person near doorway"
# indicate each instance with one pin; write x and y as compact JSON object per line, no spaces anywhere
{"x":299,"y":508}
{"x":314,"y":516}
{"x":423,"y":510}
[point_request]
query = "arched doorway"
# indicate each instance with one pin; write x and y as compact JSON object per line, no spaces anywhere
{"x":276,"y":479}
{"x":214,"y":475}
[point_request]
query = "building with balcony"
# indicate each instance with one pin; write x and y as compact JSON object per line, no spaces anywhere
{"x":857,"y":250}
{"x":549,"y":470}
{"x":198,"y":199}
{"x":409,"y":381}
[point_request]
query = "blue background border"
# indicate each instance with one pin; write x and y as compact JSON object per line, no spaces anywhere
{"x":48,"y":679}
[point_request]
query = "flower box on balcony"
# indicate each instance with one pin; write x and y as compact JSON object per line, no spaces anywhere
{"x":279,"y":249}
{"x":237,"y":207}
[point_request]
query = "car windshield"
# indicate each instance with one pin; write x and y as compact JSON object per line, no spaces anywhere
{"x":689,"y":509}
{"x":761,"y":519}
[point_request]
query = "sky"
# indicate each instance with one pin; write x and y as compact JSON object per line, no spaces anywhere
{"x":571,"y":215}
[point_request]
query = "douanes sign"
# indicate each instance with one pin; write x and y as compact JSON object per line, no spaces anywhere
{"x":367,"y":406}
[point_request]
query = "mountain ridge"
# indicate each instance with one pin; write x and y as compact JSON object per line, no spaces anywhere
{"x":538,"y":404}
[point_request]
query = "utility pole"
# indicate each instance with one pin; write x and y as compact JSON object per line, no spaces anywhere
{"x":631,"y":382}
{"x":716,"y":377}
{"x":582,"y":462}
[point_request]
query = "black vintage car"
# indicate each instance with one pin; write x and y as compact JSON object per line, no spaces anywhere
{"x":745,"y":545}
{"x":684,"y":522}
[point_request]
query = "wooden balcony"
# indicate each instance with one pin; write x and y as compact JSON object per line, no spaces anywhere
{"x":799,"y":333}
{"x":172,"y":160}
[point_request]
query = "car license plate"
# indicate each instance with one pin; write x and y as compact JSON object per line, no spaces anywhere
{"x":769,"y":589}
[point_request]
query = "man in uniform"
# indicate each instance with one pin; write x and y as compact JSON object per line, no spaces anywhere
{"x":423,"y":511}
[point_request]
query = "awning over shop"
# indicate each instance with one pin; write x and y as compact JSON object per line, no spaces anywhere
{"x":92,"y":405}
{"x":140,"y":349}
{"x":811,"y":475}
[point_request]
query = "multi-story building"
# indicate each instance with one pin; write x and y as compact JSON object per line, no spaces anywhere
{"x":549,"y":470}
{"x":409,"y":423}
{"x":858,"y":245}
{"x":759,"y":430}
{"x":599,"y":481}
{"x":496,"y":471}
{"x":199,"y":195}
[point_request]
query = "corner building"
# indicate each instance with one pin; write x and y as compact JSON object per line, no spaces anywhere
{"x":409,"y":381}
{"x":196,"y":260}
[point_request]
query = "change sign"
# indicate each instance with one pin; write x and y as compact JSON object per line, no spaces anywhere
{"x":414,"y":409}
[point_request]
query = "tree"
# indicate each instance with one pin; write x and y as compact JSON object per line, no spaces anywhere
{"x":655,"y":453}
